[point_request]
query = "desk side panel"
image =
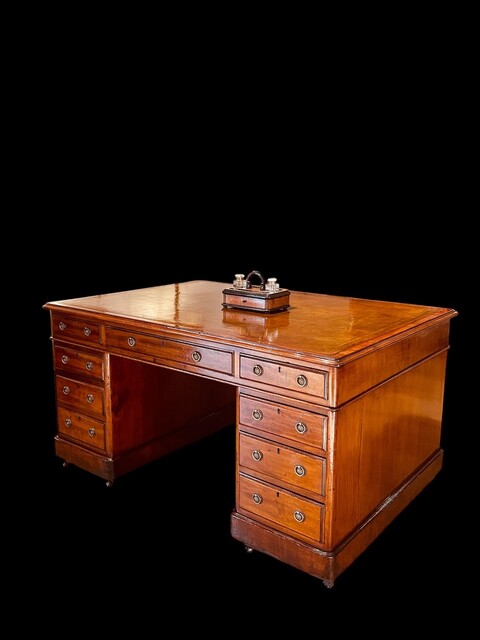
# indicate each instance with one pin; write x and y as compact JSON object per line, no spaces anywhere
{"x":380,"y":441}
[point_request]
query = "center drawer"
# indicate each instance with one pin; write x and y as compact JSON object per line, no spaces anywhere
{"x":183,"y":352}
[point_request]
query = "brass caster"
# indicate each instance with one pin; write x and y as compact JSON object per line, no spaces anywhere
{"x":248,"y":549}
{"x":65,"y":464}
{"x":328,"y":583}
{"x":109,"y":483}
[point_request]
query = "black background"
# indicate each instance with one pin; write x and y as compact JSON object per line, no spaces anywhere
{"x":355,"y":196}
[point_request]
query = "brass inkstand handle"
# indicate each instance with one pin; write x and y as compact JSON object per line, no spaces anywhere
{"x":255,"y":273}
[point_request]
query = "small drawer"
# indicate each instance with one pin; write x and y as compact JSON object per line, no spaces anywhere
{"x":83,"y":396}
{"x":76,"y":329}
{"x":82,"y":428}
{"x":162,"y":348}
{"x":298,"y":425}
{"x":78,"y":362}
{"x":300,"y":470}
{"x":302,"y":516}
{"x":285,"y":376}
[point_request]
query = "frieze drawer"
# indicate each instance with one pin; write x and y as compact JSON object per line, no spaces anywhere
{"x":183,"y":352}
{"x":82,"y":428}
{"x":282,"y":508}
{"x":300,"y":426}
{"x":83,"y":396}
{"x":78,"y":362}
{"x":300,"y":470}
{"x":308,"y":381}
{"x":76,"y":329}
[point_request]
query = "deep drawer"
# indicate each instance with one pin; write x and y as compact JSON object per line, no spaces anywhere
{"x":78,"y":362}
{"x":289,"y":466}
{"x":277,"y":374}
{"x":300,"y":426}
{"x":281,"y":507}
{"x":185,"y":353}
{"x":82,"y":428}
{"x":76,"y":329}
{"x":83,"y":396}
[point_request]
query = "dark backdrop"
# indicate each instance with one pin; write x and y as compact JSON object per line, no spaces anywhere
{"x":356,"y":202}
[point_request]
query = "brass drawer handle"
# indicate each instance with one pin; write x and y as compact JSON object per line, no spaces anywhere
{"x":300,"y":470}
{"x":68,"y":422}
{"x":197,"y":356}
{"x":91,"y":432}
{"x":257,"y":370}
{"x":302,"y":381}
{"x":66,"y":390}
{"x":90,"y":398}
{"x":299,"y":516}
{"x":131,"y":341}
{"x":64,"y":359}
{"x":257,"y":498}
{"x":301,"y":428}
{"x":62,"y":326}
{"x":257,"y":455}
{"x":257,"y":414}
{"x":87,"y":331}
{"x":89,"y":365}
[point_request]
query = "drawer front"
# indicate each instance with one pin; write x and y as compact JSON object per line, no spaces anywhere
{"x":83,"y":396}
{"x":78,"y":362}
{"x":287,"y":465}
{"x":298,"y":425}
{"x":82,"y":428}
{"x":278,"y":374}
{"x":182,"y":352}
{"x":76,"y":329}
{"x":282,"y":508}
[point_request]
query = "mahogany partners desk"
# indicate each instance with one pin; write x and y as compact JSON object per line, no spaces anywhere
{"x":337,"y":402}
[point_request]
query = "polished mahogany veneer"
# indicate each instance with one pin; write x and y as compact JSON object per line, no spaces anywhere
{"x":337,"y":402}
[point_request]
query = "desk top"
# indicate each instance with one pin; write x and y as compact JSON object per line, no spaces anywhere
{"x":325,"y":326}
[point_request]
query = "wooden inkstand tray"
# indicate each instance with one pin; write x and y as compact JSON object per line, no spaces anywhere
{"x":267,"y":297}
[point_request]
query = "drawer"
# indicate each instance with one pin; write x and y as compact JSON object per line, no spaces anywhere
{"x":220,"y":360}
{"x":76,"y":329}
{"x":298,"y":425}
{"x":290,"y":466}
{"x":285,"y":376}
{"x":82,"y":428}
{"x":83,"y":396}
{"x":78,"y":362}
{"x":285,"y":509}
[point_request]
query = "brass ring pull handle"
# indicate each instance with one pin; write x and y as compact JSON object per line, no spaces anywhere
{"x":255,"y":273}
{"x":302,"y":381}
{"x":301,"y":427}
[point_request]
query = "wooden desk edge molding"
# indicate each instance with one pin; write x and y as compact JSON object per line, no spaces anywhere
{"x":337,"y":403}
